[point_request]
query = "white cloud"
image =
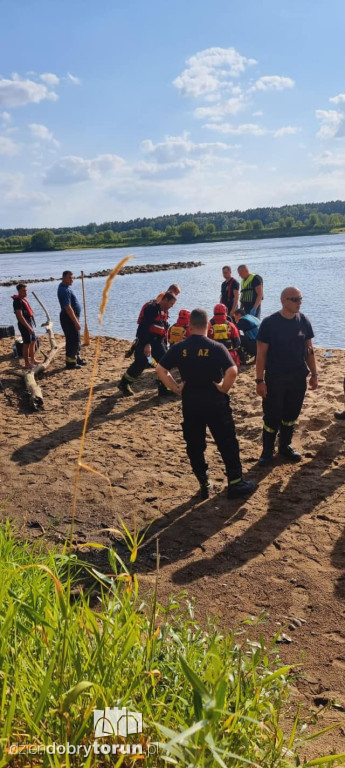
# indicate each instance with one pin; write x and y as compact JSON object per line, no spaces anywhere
{"x":5,"y":117}
{"x":18,"y":92}
{"x":42,"y":133}
{"x":221,"y":109}
{"x":331,"y":159}
{"x":73,"y":169}
{"x":12,"y":187}
{"x":73,"y":79}
{"x":251,"y":129}
{"x":340,"y":99}
{"x":7,"y":146}
{"x":166,"y":171}
{"x":175,"y":148}
{"x":286,"y":130}
{"x":50,"y":79}
{"x":332,"y":123}
{"x":211,"y":70}
{"x":273,"y":82}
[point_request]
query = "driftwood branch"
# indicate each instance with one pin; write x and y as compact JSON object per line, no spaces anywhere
{"x":48,"y":325}
{"x":32,"y":387}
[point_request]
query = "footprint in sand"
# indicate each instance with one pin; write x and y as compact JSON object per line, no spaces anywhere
{"x":317,"y":424}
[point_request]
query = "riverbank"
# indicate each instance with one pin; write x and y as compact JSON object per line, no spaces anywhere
{"x":281,"y":552}
{"x":160,"y":238}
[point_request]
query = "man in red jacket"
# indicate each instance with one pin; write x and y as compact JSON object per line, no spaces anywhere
{"x":26,"y":324}
{"x":151,"y":336}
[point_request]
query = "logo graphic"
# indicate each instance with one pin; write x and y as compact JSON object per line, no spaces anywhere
{"x":112,"y":721}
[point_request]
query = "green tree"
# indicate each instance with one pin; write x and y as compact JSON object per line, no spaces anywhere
{"x":107,"y":236}
{"x":147,"y":233}
{"x":210,"y":228}
{"x":171,"y":231}
{"x":43,"y":240}
{"x":313,"y":220}
{"x":335,"y":220}
{"x":289,"y":222}
{"x":188,"y":231}
{"x":257,"y":224}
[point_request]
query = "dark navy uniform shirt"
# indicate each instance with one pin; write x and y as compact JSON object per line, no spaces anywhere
{"x":67,"y":298}
{"x":200,"y":361}
{"x":286,"y":343}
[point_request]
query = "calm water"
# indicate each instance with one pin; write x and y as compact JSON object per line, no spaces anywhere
{"x":314,"y":264}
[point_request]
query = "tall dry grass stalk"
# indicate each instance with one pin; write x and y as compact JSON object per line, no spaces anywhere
{"x":80,"y":464}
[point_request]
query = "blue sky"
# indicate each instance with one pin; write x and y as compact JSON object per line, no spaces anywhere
{"x":123,"y":108}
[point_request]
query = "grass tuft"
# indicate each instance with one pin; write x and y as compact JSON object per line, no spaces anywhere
{"x":206,"y":698}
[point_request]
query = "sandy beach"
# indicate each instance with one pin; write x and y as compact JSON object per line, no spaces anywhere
{"x":282,"y":552}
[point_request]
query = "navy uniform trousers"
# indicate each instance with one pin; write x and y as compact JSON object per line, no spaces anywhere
{"x":199,"y":413}
{"x":283,"y":403}
{"x":72,"y":336}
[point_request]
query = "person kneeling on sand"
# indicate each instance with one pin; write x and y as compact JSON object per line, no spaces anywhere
{"x":208,"y":372}
{"x":26,"y":323}
{"x":285,"y":355}
{"x":248,"y":327}
{"x":151,"y":341}
{"x":179,"y":330}
{"x":225,"y":332}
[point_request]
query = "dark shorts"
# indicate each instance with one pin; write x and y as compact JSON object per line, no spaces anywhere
{"x":27,"y":337}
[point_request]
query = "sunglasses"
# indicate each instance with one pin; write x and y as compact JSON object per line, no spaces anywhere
{"x":295,"y":299}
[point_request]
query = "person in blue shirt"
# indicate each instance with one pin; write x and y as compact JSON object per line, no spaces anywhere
{"x":69,"y":319}
{"x":248,"y":327}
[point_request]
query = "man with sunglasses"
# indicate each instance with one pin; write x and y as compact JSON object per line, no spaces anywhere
{"x":285,"y":355}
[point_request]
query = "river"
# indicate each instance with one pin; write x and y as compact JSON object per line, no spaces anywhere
{"x":314,"y":264}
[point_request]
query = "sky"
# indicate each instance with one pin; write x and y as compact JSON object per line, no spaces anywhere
{"x":120,"y":109}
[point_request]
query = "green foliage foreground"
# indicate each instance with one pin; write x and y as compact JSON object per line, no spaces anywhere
{"x":208,"y":699}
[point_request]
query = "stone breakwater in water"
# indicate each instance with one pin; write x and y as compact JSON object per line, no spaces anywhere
{"x":125,"y":271}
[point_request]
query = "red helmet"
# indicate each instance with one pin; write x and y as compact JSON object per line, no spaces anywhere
{"x":184,"y":315}
{"x":220,"y":309}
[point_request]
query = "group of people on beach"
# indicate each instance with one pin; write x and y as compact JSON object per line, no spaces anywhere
{"x":207,"y":353}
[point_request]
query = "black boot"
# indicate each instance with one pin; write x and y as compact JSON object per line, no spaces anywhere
{"x":205,"y":485}
{"x":164,"y":392}
{"x":241,"y":488}
{"x":124,"y":387}
{"x":268,"y":440}
{"x":285,"y":449}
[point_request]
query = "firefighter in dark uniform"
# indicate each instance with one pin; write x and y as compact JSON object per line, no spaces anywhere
{"x":229,"y":291}
{"x":151,"y":335}
{"x":284,"y":358}
{"x":70,"y":320}
{"x":208,"y":372}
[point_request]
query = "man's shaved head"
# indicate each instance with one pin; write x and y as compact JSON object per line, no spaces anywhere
{"x":291,"y":290}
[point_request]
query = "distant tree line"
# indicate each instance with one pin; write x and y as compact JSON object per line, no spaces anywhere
{"x":288,"y":220}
